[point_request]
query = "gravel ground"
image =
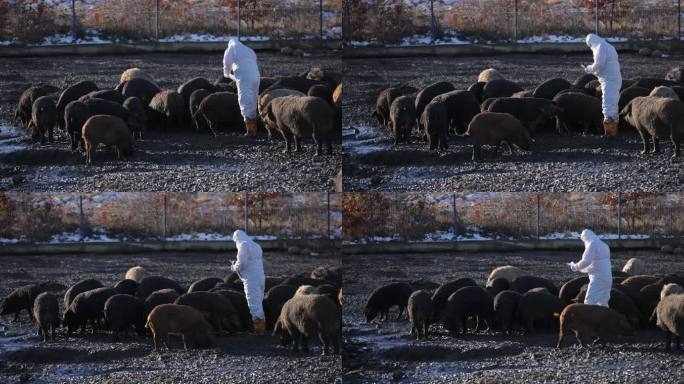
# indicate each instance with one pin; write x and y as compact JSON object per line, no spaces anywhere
{"x":384,"y":352}
{"x":241,"y":358}
{"x":178,"y":161}
{"x":558,"y":163}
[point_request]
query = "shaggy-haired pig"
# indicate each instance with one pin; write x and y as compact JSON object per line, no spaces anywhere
{"x":182,"y":320}
{"x":465,"y":303}
{"x":81,"y":286}
{"x":538,"y":308}
{"x":461,"y":107}
{"x":108,"y":130}
{"x":46,"y":314}
{"x":87,"y":307}
{"x":385,"y":297}
{"x":123,"y":311}
{"x":441,"y":295}
{"x":402,"y":118}
{"x":669,"y":316}
{"x":274,"y":299}
{"x":43,"y":119}
{"x":220,"y":312}
{"x":419,"y":313}
{"x":491,"y":128}
{"x":219,"y":109}
{"x":435,"y":123}
{"x":505,"y":309}
{"x":591,"y":322}
{"x":655,"y":117}
{"x":305,"y":316}
{"x":150,"y":284}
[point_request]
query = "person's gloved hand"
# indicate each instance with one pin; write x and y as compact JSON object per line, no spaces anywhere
{"x":572,"y":266}
{"x":586,"y":68}
{"x":232,"y":265}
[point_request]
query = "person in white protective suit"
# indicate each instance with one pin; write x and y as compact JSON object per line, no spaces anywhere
{"x":250,"y":267}
{"x":607,"y":68}
{"x":596,"y":263}
{"x":240,"y":65}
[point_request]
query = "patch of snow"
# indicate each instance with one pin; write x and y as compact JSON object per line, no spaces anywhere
{"x":12,"y":139}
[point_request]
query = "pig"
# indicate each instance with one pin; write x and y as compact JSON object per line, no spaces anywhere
{"x":239,"y":301}
{"x":330,"y":273}
{"x":108,"y":130}
{"x":43,"y":118}
{"x":425,"y":96}
{"x":467,"y":302}
{"x":162,"y":296}
{"x":650,"y":83}
{"x":648,"y":298}
{"x":549,"y":88}
{"x":105,"y":107}
{"x":663,"y":91}
{"x":305,"y":290}
{"x":385,"y":100}
{"x":220,"y":312}
{"x":634,"y":266}
{"x":270,"y":282}
{"x":505,"y":307}
{"x":150,"y":284}
{"x":477,"y":90}
{"x":292,"y":82}
{"x":329,"y":290}
{"x":138,"y":116}
{"x":126,"y":287}
{"x":385,"y":297}
{"x":274,"y":300}
{"x":534,"y":113}
{"x":582,"y":80}
{"x":620,"y":302}
{"x":46,"y":314}
{"x":420,"y":311}
{"x":299,"y":117}
{"x":298,"y":280}
{"x":570,"y":289}
{"x":484,"y":107}
{"x":186,"y":89}
{"x":488,"y":75}
{"x":592,"y":321}
{"x":219,"y":109}
{"x":136,"y":273}
{"x":266,"y":98}
{"x":500,"y":88}
{"x":75,"y":115}
{"x":204,"y":284}
{"x":441,"y":295}
{"x":435,"y":123}
{"x":671,"y":289}
{"x":675,"y":74}
{"x":581,"y":91}
{"x":86,"y":307}
{"x":140,"y":88}
{"x":461,"y":107}
{"x":628,"y":94}
{"x":522,"y":284}
{"x":593,"y":88}
{"x":196,"y":98}
{"x":538,"y":308}
{"x":402,"y":118}
{"x":578,"y":112}
{"x":70,"y":94}
{"x":105,"y":94}
{"x":656,"y":117}
{"x":498,"y":285}
{"x":20,"y":299}
{"x":330,"y":77}
{"x":639,"y":281}
{"x":669,"y":316}
{"x":123,"y":311}
{"x":322,"y":91}
{"x":507,"y":272}
{"x":181,"y":320}
{"x":81,"y":286}
{"x":491,"y":128}
{"x":305,"y":316}
{"x":23,"y":110}
{"x":167,"y":109}
{"x":135,"y":73}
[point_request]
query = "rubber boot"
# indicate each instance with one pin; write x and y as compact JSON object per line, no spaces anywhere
{"x":251,"y":126}
{"x":260,"y":327}
{"x":610,"y":128}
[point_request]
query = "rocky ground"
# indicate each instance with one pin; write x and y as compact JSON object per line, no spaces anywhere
{"x":384,"y":352}
{"x":557,"y":163}
{"x":241,"y":358}
{"x":164,"y":161}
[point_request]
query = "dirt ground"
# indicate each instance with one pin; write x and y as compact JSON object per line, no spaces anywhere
{"x":241,"y":358}
{"x":558,"y":163}
{"x":176,"y":161}
{"x":384,"y":352}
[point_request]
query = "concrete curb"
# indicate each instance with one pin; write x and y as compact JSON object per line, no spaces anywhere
{"x":499,"y":49}
{"x":180,"y":47}
{"x":492,"y":246}
{"x":159,"y":246}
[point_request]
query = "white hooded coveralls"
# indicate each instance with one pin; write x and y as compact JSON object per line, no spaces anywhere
{"x":250,"y":268}
{"x":240,"y":64}
{"x":596,"y":263}
{"x":607,"y":68}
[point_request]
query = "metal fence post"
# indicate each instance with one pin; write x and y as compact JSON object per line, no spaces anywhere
{"x":238,"y":19}
{"x":328,"y":214}
{"x":246,"y":201}
{"x":347,"y":22}
{"x":597,"y":16}
{"x":433,"y":21}
{"x":454,"y":215}
{"x":619,"y":214}
{"x":73,"y":21}
{"x":370,"y":216}
{"x":164,"y":216}
{"x":81,"y":218}
{"x":538,"y":215}
{"x":156,"y":27}
{"x":679,"y":19}
{"x":515,"y":21}
{"x":320,"y":18}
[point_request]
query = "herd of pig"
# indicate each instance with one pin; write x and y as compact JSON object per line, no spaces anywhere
{"x":497,"y":111}
{"x":514,"y":299}
{"x":297,"y":308}
{"x":298,"y":107}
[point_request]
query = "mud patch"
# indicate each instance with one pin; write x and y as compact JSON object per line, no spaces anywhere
{"x":422,"y":353}
{"x":43,"y":355}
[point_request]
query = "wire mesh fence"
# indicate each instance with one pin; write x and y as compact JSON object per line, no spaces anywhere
{"x":416,"y":22}
{"x":73,"y":217}
{"x":483,"y":216}
{"x":105,"y":21}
